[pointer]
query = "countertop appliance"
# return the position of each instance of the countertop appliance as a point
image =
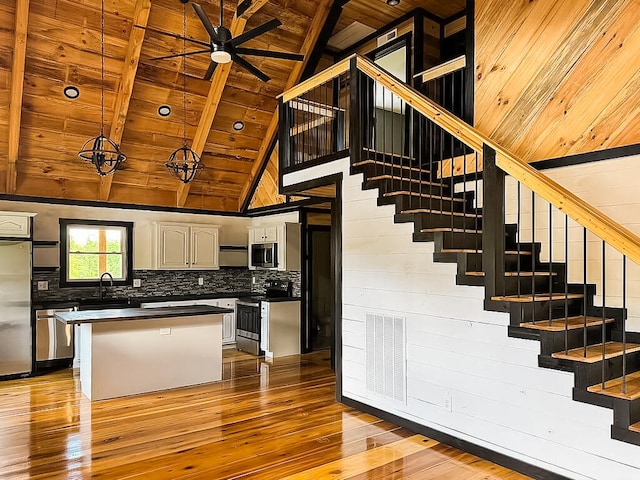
(248, 321)
(54, 340)
(15, 305)
(264, 255)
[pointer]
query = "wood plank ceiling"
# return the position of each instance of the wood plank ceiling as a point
(63, 48)
(558, 78)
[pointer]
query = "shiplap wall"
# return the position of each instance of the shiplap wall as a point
(611, 187)
(465, 376)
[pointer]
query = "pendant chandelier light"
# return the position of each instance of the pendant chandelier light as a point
(184, 163)
(102, 152)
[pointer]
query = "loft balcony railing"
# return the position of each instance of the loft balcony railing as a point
(537, 245)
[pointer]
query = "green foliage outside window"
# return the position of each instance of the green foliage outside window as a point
(85, 254)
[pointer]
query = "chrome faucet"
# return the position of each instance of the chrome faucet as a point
(101, 286)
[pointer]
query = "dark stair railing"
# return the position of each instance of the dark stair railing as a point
(497, 214)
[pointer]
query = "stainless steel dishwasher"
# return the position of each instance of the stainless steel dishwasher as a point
(54, 340)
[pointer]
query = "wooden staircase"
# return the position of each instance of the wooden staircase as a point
(574, 334)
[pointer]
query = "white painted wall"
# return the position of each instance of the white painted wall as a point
(465, 376)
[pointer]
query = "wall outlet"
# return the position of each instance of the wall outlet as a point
(200, 281)
(43, 285)
(165, 331)
(137, 283)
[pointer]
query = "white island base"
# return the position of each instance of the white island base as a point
(119, 358)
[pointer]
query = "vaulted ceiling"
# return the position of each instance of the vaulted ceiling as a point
(57, 44)
(558, 78)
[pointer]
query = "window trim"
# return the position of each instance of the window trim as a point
(128, 254)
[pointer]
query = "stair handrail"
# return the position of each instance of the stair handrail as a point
(595, 221)
(443, 69)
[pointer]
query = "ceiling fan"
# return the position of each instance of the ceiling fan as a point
(224, 48)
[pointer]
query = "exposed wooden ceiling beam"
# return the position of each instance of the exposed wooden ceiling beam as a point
(17, 85)
(121, 108)
(324, 6)
(218, 83)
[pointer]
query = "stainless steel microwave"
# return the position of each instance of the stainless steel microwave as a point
(264, 255)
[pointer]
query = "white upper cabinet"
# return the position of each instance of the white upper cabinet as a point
(15, 224)
(187, 246)
(262, 234)
(204, 247)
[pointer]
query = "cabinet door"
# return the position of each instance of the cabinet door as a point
(228, 328)
(173, 247)
(270, 234)
(204, 248)
(14, 225)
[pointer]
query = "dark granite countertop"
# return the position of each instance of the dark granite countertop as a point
(282, 299)
(124, 314)
(134, 301)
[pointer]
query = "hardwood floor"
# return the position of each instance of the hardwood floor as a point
(264, 421)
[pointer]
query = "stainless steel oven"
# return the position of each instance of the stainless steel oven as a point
(264, 255)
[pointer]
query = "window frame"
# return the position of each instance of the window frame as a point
(65, 223)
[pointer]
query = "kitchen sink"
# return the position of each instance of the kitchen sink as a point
(107, 303)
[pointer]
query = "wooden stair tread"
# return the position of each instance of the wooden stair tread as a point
(471, 250)
(558, 324)
(635, 427)
(515, 274)
(538, 298)
(389, 165)
(613, 388)
(404, 179)
(425, 195)
(440, 212)
(594, 352)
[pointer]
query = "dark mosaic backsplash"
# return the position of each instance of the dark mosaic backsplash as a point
(261, 276)
(161, 283)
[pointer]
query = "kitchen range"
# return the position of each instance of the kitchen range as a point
(253, 317)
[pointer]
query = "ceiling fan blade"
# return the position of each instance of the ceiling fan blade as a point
(205, 21)
(267, 53)
(250, 68)
(264, 28)
(210, 70)
(180, 54)
(179, 37)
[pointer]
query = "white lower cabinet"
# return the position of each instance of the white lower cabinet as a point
(228, 319)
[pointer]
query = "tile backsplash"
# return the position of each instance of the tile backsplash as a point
(166, 283)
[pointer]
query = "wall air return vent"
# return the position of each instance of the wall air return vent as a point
(386, 356)
(387, 37)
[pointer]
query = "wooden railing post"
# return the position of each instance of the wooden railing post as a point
(493, 225)
(355, 111)
(284, 139)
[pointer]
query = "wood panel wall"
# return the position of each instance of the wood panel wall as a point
(558, 78)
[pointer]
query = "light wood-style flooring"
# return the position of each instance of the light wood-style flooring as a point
(264, 421)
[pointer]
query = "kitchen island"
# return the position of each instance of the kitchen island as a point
(136, 350)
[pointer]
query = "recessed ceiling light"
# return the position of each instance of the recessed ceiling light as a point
(164, 110)
(393, 3)
(239, 125)
(71, 92)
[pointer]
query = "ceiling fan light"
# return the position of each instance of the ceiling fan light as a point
(220, 56)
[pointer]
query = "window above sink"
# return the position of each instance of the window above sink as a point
(89, 248)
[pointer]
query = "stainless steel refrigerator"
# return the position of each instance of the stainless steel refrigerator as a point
(15, 307)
